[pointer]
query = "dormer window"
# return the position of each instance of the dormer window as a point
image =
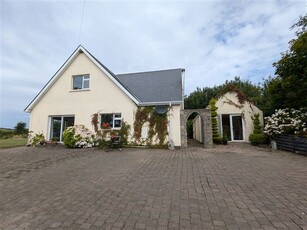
(81, 81)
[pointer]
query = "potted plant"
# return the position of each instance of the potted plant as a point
(225, 139)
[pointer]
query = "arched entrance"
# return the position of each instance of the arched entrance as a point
(207, 128)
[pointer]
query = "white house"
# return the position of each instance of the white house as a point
(84, 86)
(235, 116)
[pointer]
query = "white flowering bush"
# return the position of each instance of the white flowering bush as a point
(79, 136)
(36, 139)
(286, 121)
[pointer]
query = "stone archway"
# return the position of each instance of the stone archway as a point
(207, 127)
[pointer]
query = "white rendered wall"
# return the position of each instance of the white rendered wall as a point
(229, 104)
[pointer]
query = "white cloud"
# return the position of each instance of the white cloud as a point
(212, 40)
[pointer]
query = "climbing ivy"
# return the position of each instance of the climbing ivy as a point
(123, 132)
(157, 124)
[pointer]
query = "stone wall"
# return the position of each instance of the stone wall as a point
(207, 127)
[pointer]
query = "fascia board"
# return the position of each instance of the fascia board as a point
(160, 103)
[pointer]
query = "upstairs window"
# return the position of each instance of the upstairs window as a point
(111, 121)
(81, 81)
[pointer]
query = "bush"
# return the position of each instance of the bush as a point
(217, 140)
(104, 144)
(257, 127)
(257, 139)
(286, 121)
(6, 133)
(79, 136)
(215, 131)
(36, 139)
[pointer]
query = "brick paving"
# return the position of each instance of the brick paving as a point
(237, 186)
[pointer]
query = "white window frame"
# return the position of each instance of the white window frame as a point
(231, 126)
(113, 120)
(61, 129)
(85, 77)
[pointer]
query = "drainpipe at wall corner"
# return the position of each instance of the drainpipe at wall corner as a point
(170, 140)
(182, 79)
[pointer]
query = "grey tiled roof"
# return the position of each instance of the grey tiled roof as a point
(155, 86)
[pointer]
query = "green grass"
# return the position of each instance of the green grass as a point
(13, 142)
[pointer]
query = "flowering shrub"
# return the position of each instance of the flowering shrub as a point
(35, 139)
(79, 136)
(286, 121)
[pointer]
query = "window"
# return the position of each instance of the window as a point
(81, 81)
(111, 120)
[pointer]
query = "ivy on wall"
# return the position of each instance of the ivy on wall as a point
(123, 132)
(230, 102)
(157, 125)
(242, 97)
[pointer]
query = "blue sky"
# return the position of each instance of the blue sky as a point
(213, 40)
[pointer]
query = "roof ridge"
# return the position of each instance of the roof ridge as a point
(151, 71)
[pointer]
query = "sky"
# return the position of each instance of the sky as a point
(212, 40)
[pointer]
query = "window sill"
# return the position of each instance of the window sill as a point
(78, 90)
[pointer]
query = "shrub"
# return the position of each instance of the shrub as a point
(215, 132)
(36, 139)
(79, 136)
(257, 139)
(6, 133)
(217, 140)
(257, 127)
(286, 121)
(103, 144)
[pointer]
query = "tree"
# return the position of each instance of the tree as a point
(272, 96)
(291, 71)
(200, 97)
(252, 91)
(20, 128)
(215, 132)
(257, 137)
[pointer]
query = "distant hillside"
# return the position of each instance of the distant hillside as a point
(6, 133)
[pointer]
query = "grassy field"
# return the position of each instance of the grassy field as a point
(13, 142)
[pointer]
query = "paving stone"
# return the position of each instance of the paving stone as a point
(237, 186)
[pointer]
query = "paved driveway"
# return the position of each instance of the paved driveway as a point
(229, 187)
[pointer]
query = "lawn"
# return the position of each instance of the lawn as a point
(13, 142)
